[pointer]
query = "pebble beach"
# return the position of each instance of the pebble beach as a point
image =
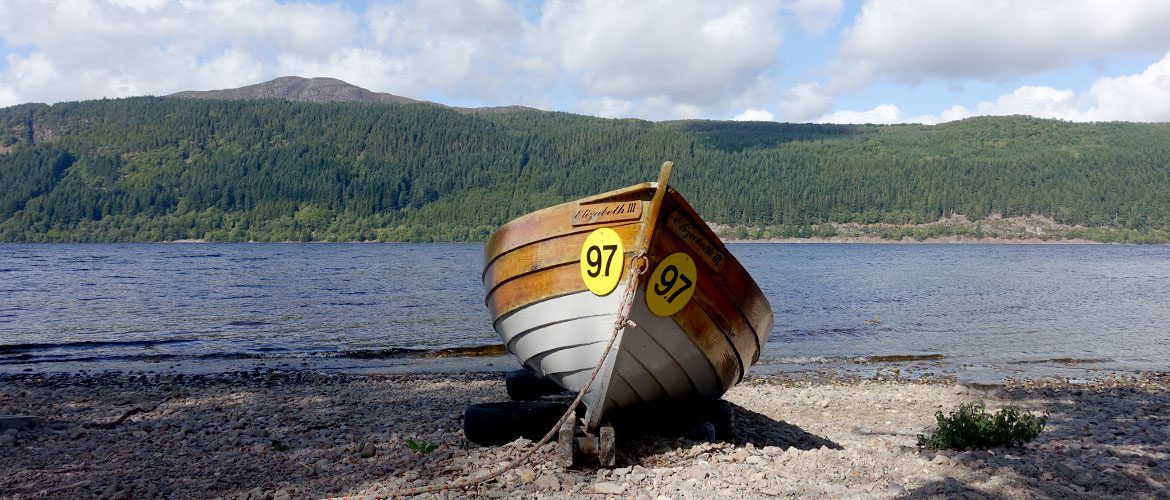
(271, 434)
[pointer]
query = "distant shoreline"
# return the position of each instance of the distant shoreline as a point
(928, 241)
(833, 240)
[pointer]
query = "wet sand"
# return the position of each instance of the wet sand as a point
(297, 434)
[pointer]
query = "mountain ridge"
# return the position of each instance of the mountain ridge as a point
(323, 90)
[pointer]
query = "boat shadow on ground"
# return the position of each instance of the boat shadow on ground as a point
(655, 431)
(1102, 439)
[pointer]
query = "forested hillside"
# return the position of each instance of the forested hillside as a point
(150, 169)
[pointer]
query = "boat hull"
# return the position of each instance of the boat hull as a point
(558, 328)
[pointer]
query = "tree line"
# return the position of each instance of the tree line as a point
(156, 169)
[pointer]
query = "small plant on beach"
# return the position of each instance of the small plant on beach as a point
(420, 446)
(280, 446)
(972, 427)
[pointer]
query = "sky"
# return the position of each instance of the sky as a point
(830, 61)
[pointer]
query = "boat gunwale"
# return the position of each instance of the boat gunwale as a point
(493, 248)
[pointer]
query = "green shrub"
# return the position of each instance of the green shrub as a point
(973, 428)
(420, 446)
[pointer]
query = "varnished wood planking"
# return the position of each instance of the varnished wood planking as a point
(734, 279)
(534, 287)
(554, 221)
(549, 253)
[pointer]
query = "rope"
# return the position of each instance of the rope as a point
(638, 267)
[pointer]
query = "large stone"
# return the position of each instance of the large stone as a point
(608, 488)
(547, 482)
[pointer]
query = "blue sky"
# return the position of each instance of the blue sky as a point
(873, 61)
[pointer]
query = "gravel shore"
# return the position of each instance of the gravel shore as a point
(287, 435)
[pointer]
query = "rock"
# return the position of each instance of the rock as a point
(895, 489)
(368, 450)
(11, 432)
(1084, 479)
(547, 482)
(772, 451)
(111, 490)
(76, 432)
(608, 488)
(7, 440)
(825, 403)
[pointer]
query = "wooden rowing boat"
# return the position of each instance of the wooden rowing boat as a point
(556, 280)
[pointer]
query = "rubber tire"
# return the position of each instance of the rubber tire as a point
(490, 424)
(523, 385)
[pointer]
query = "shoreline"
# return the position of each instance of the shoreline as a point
(929, 241)
(946, 240)
(491, 360)
(290, 435)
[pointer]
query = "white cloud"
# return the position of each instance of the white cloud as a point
(8, 96)
(131, 47)
(1141, 97)
(804, 102)
(649, 59)
(472, 48)
(658, 106)
(883, 113)
(694, 53)
(365, 68)
(35, 70)
(607, 107)
(1039, 101)
(916, 40)
(755, 115)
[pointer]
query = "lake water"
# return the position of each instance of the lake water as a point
(986, 311)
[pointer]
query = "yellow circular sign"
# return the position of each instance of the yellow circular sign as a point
(602, 261)
(671, 284)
